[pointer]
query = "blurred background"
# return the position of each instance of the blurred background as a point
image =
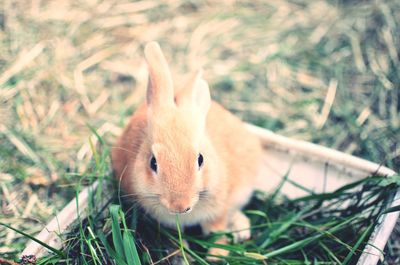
(322, 71)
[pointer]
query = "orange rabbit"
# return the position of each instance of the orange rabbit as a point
(182, 153)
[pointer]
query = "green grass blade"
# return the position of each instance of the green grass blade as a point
(392, 209)
(298, 185)
(357, 244)
(308, 240)
(56, 251)
(254, 255)
(208, 244)
(192, 253)
(274, 235)
(116, 231)
(329, 252)
(109, 250)
(334, 194)
(178, 226)
(131, 253)
(93, 252)
(279, 187)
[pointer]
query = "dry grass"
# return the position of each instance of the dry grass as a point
(324, 71)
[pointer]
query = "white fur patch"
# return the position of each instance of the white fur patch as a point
(202, 212)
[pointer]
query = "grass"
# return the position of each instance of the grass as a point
(323, 71)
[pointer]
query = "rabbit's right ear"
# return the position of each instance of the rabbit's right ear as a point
(195, 94)
(160, 91)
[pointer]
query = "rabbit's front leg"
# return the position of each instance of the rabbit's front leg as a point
(218, 225)
(239, 224)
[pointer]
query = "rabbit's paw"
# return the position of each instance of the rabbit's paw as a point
(240, 227)
(217, 254)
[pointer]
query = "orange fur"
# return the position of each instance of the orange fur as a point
(175, 131)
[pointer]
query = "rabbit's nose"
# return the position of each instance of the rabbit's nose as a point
(175, 206)
(180, 211)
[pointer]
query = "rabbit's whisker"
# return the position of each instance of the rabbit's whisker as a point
(204, 194)
(123, 149)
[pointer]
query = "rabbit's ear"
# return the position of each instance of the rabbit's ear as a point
(195, 94)
(160, 91)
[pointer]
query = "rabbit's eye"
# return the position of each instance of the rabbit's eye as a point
(200, 160)
(153, 164)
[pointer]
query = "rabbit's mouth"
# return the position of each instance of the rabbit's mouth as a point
(185, 211)
(178, 204)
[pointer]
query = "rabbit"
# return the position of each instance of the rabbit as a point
(184, 154)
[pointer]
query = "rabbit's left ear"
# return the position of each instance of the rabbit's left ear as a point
(160, 92)
(195, 94)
